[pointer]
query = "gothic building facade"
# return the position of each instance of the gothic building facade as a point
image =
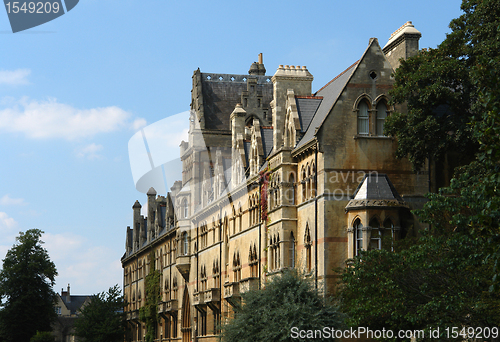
(274, 176)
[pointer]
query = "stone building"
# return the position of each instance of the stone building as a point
(274, 176)
(68, 308)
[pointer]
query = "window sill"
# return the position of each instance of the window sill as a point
(381, 137)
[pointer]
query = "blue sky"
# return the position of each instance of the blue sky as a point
(75, 90)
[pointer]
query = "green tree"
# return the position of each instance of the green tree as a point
(26, 282)
(287, 301)
(450, 275)
(443, 87)
(461, 75)
(101, 320)
(44, 336)
(441, 280)
(436, 88)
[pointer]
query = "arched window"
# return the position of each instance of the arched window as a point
(253, 261)
(237, 267)
(185, 208)
(308, 185)
(278, 259)
(291, 180)
(381, 116)
(216, 274)
(240, 218)
(203, 279)
(376, 235)
(303, 182)
(292, 250)
(271, 253)
(358, 232)
(389, 225)
(167, 289)
(313, 180)
(185, 244)
(363, 119)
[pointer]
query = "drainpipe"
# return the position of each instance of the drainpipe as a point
(316, 219)
(170, 288)
(197, 280)
(221, 243)
(260, 227)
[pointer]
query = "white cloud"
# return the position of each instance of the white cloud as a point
(7, 233)
(6, 222)
(90, 152)
(14, 77)
(144, 209)
(51, 119)
(138, 124)
(7, 200)
(84, 266)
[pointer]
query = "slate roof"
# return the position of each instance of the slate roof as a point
(247, 146)
(75, 304)
(330, 93)
(221, 93)
(267, 140)
(185, 188)
(307, 107)
(376, 187)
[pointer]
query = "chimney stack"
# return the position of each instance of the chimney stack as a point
(68, 296)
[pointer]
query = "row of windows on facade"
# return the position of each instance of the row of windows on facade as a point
(168, 329)
(273, 249)
(274, 194)
(168, 325)
(134, 302)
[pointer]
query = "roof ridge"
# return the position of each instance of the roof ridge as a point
(343, 72)
(309, 97)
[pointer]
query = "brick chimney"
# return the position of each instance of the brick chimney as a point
(68, 296)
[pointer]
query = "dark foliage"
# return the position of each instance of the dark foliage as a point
(26, 282)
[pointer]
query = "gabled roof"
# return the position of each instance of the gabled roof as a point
(330, 93)
(75, 303)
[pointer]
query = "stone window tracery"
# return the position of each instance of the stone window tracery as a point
(363, 118)
(236, 267)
